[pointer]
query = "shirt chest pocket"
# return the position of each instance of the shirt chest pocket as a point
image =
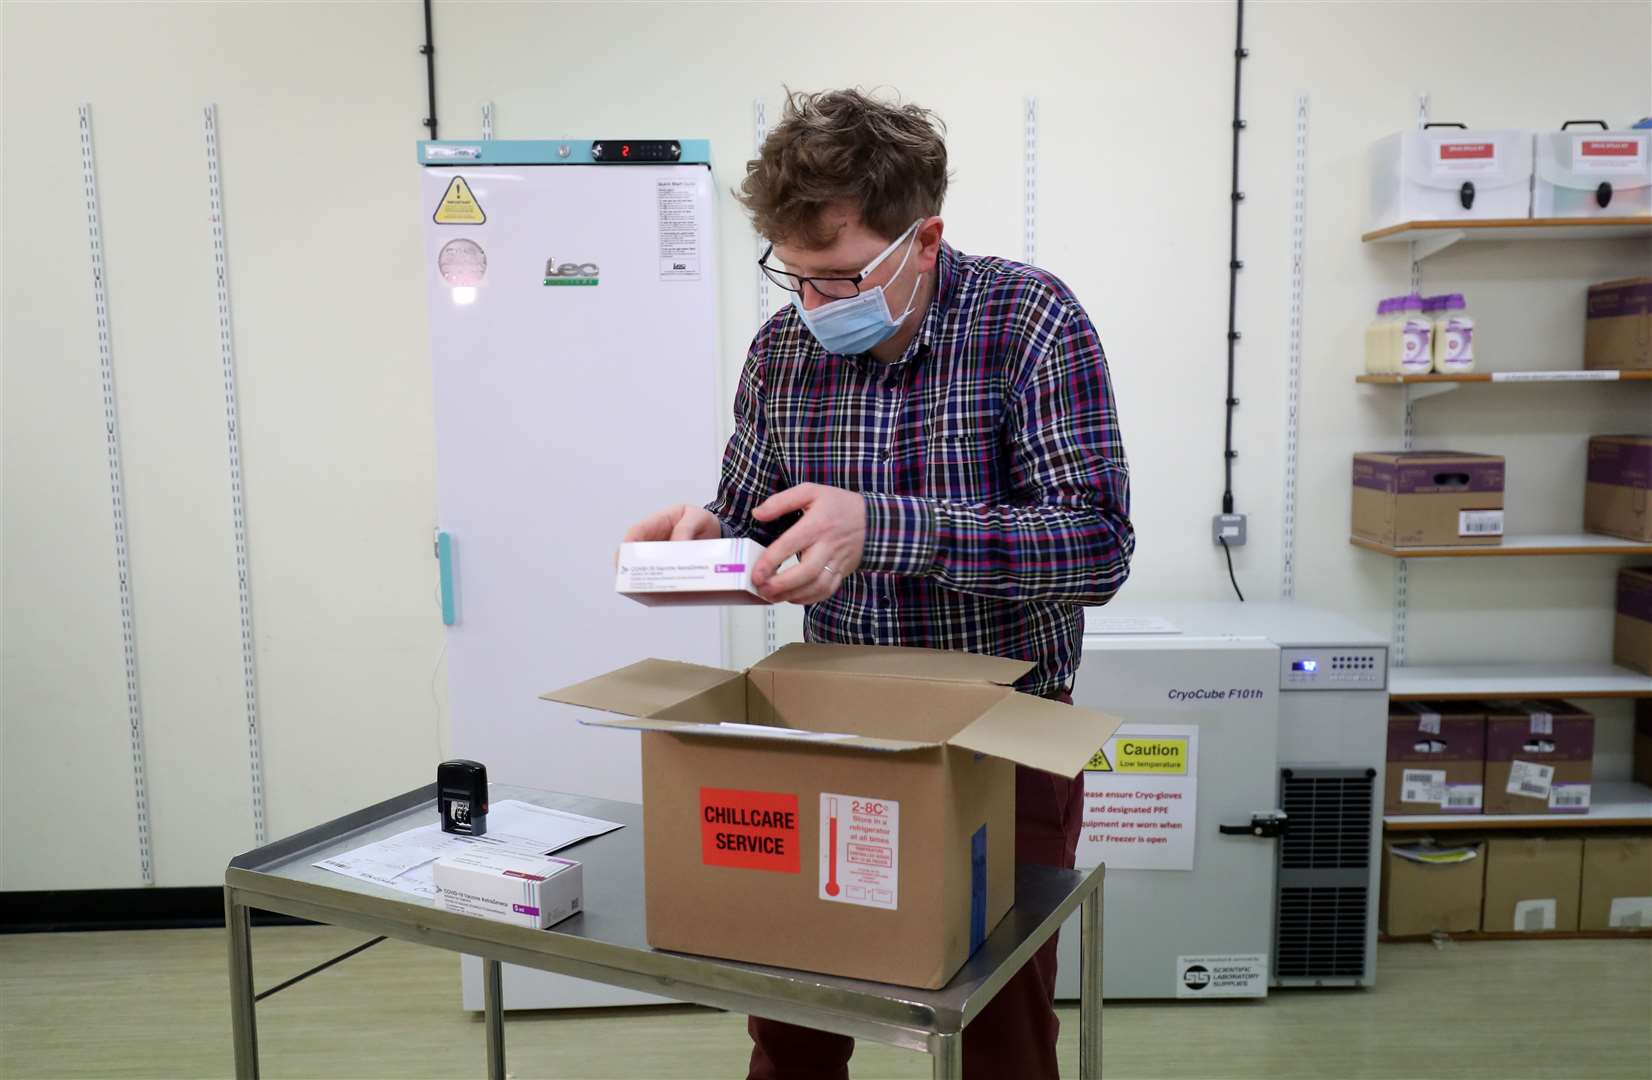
(964, 467)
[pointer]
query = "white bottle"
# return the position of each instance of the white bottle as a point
(1453, 336)
(1378, 350)
(1416, 353)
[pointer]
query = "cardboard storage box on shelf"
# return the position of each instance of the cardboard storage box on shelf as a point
(842, 809)
(1449, 174)
(1532, 883)
(1617, 882)
(689, 573)
(1539, 757)
(1428, 889)
(1428, 498)
(1614, 500)
(1584, 174)
(527, 890)
(1632, 624)
(1642, 770)
(1617, 332)
(1436, 758)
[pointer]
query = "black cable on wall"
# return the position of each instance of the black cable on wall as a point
(428, 50)
(1235, 264)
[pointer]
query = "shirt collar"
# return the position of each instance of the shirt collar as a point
(946, 274)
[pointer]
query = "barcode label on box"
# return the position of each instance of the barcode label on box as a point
(1463, 797)
(1429, 723)
(1542, 723)
(1569, 797)
(1479, 523)
(1530, 779)
(1423, 786)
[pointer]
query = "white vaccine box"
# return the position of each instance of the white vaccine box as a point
(1583, 174)
(1449, 174)
(526, 890)
(689, 572)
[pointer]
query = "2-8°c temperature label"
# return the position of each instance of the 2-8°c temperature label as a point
(860, 850)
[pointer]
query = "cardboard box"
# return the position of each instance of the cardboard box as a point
(1427, 889)
(1617, 332)
(1620, 472)
(1642, 770)
(1436, 758)
(1532, 883)
(1617, 883)
(842, 809)
(689, 573)
(526, 890)
(1428, 498)
(1539, 757)
(1632, 629)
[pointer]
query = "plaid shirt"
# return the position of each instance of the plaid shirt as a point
(997, 492)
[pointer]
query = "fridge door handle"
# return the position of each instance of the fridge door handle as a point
(1267, 824)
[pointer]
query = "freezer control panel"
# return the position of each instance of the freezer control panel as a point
(1331, 668)
(636, 151)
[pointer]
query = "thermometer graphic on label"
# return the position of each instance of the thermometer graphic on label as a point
(831, 851)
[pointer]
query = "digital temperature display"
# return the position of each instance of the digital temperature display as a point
(636, 151)
(1309, 666)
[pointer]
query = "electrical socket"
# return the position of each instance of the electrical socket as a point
(1229, 527)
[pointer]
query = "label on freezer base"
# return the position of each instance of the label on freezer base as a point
(860, 851)
(1222, 976)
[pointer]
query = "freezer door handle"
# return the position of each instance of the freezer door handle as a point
(1267, 824)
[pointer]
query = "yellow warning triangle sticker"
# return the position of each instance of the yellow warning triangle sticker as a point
(1098, 762)
(459, 206)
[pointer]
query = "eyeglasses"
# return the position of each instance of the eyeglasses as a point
(832, 288)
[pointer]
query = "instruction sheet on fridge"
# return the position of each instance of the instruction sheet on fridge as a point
(1141, 794)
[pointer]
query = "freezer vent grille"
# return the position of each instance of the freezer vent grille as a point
(1329, 822)
(1321, 933)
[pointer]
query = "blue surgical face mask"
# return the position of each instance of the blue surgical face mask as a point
(861, 322)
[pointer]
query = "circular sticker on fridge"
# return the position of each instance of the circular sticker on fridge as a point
(462, 262)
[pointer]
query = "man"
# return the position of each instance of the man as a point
(933, 436)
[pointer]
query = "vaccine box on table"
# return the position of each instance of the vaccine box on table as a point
(1582, 174)
(1449, 174)
(689, 572)
(841, 809)
(527, 890)
(1436, 758)
(1539, 757)
(1428, 498)
(1617, 332)
(1617, 486)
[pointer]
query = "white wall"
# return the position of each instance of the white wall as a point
(319, 108)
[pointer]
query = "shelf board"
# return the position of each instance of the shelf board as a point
(1598, 228)
(1529, 544)
(1515, 935)
(1508, 377)
(1460, 682)
(1616, 804)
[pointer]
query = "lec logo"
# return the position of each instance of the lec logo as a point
(571, 270)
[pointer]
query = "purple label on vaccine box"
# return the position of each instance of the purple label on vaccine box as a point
(1635, 596)
(729, 568)
(524, 909)
(1621, 462)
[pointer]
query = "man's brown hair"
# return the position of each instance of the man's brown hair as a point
(845, 146)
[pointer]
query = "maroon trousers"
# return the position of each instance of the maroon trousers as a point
(1014, 1036)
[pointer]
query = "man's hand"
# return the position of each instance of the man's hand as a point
(828, 541)
(682, 522)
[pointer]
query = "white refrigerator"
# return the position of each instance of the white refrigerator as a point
(573, 328)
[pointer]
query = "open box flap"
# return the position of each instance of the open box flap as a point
(642, 689)
(1038, 733)
(773, 736)
(901, 662)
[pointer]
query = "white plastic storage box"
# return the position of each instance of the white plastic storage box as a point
(1450, 173)
(1584, 174)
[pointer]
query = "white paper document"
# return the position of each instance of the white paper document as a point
(405, 862)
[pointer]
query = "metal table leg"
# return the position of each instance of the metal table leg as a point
(947, 1056)
(238, 922)
(1089, 987)
(493, 1006)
